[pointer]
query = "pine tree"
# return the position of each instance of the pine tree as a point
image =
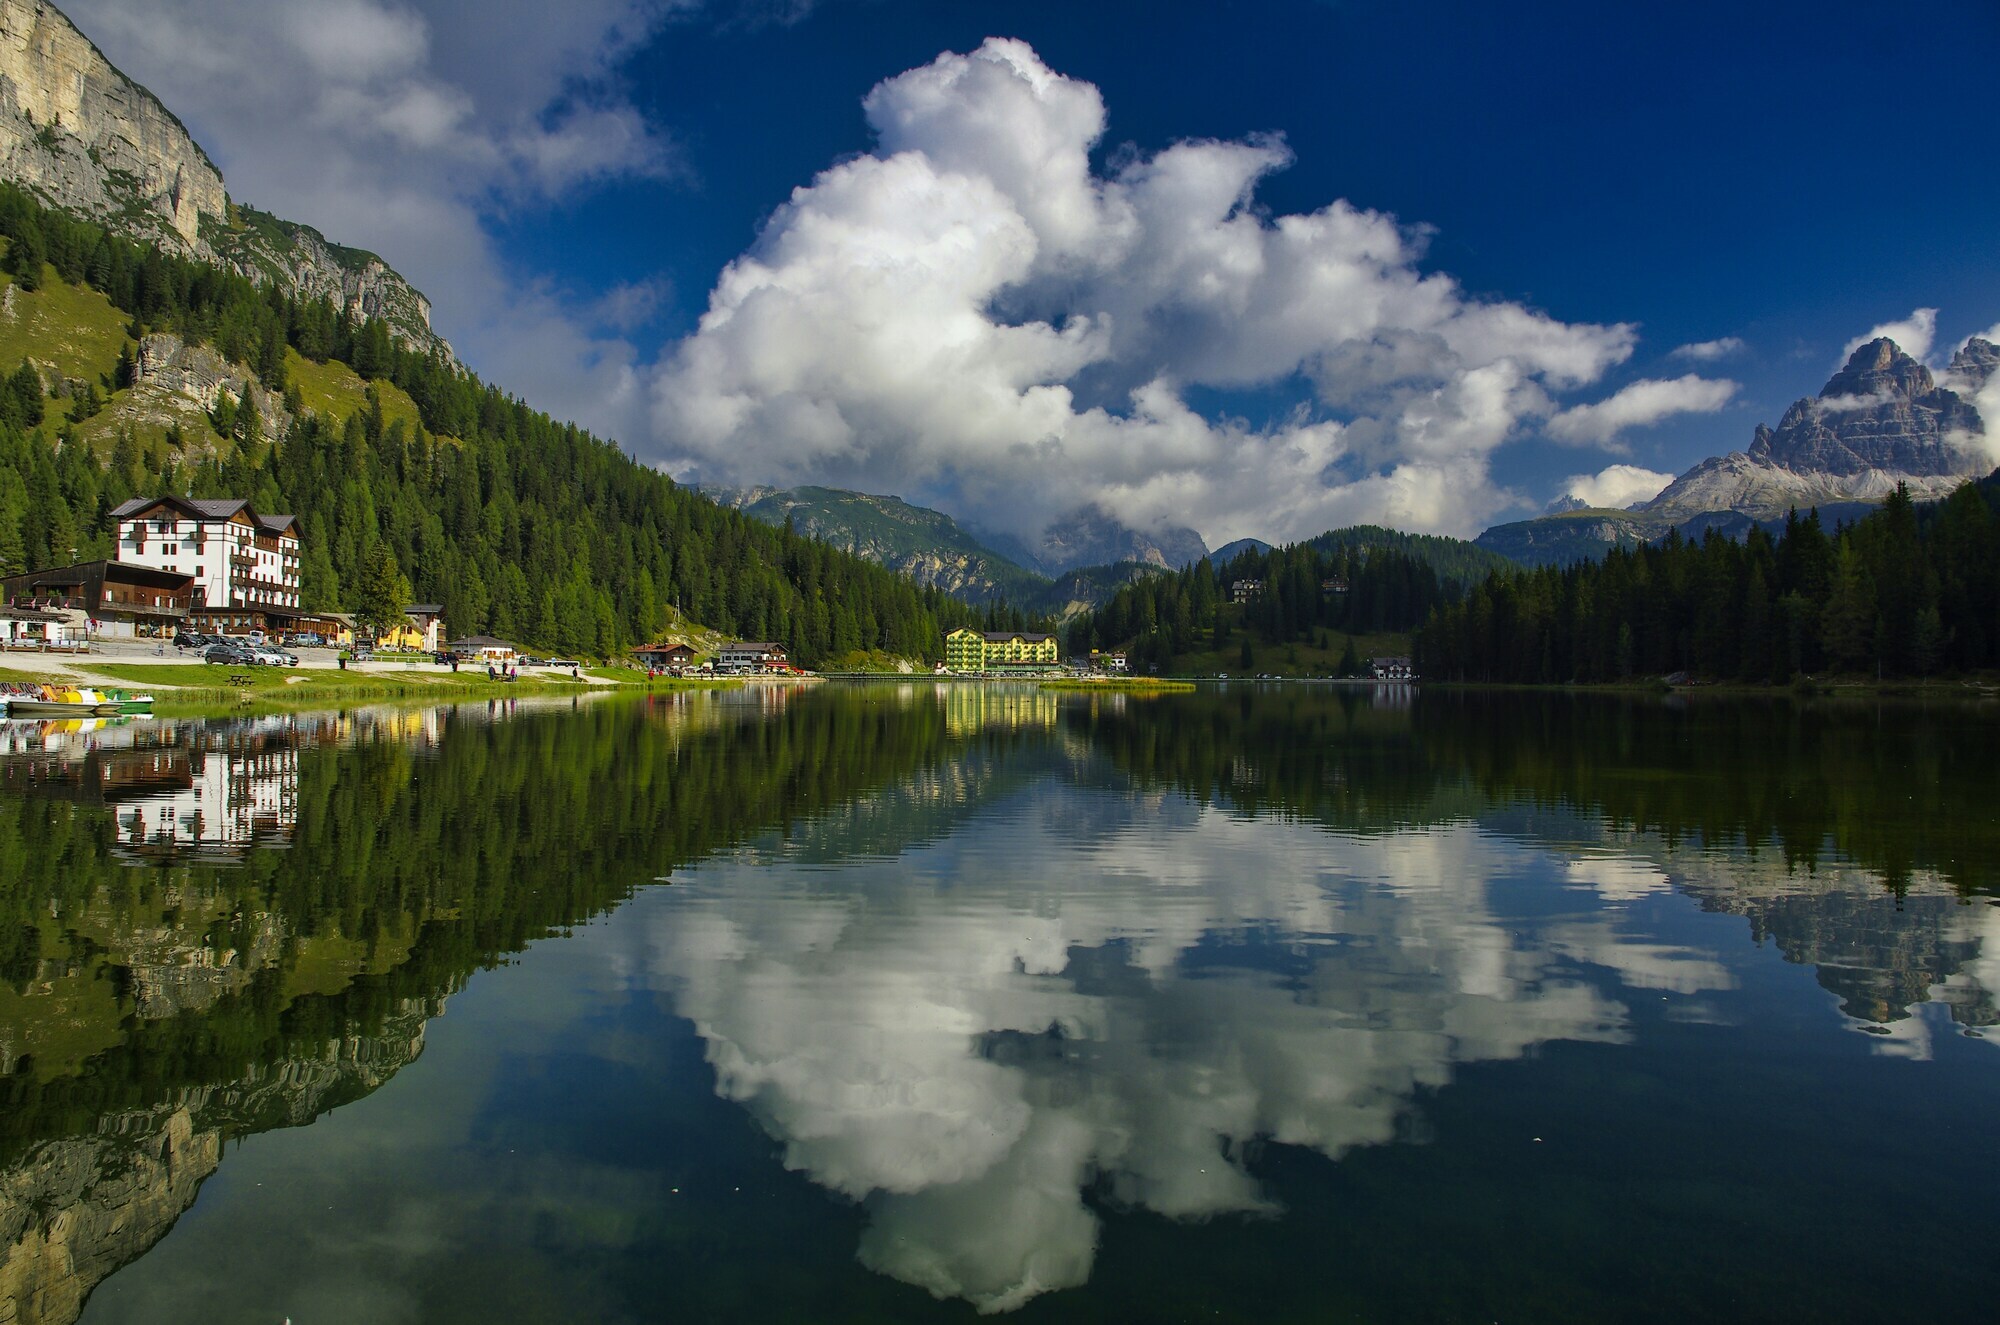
(382, 596)
(1847, 623)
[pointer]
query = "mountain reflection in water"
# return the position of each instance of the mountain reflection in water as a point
(1011, 972)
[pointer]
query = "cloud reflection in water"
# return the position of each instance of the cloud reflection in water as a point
(1122, 1011)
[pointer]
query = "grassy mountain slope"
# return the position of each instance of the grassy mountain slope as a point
(72, 335)
(67, 331)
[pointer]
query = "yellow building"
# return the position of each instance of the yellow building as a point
(422, 631)
(997, 651)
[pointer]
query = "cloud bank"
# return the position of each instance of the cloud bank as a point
(1616, 487)
(973, 316)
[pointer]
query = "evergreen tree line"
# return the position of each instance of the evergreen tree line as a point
(1307, 588)
(516, 524)
(1907, 591)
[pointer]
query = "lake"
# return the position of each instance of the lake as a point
(908, 1002)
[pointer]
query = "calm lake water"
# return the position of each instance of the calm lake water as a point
(904, 1003)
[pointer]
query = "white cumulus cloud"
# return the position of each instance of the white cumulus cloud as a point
(1707, 351)
(1616, 487)
(1638, 405)
(1913, 334)
(972, 317)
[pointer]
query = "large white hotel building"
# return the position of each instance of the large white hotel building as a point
(245, 564)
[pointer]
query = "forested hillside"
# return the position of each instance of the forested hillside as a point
(519, 525)
(1454, 559)
(1908, 591)
(1349, 582)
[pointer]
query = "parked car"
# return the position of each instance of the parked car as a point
(229, 655)
(305, 639)
(271, 657)
(187, 639)
(526, 661)
(255, 637)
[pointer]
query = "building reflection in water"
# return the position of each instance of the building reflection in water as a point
(177, 791)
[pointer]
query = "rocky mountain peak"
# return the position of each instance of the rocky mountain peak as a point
(1877, 370)
(1881, 420)
(1975, 363)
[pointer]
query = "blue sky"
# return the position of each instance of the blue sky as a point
(570, 188)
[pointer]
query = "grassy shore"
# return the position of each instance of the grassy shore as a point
(190, 690)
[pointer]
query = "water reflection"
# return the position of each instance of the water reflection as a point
(999, 967)
(970, 1051)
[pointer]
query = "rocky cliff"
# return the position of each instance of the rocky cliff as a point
(928, 546)
(1881, 420)
(300, 260)
(86, 139)
(169, 375)
(1975, 364)
(89, 140)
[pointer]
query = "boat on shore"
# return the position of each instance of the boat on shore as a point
(75, 702)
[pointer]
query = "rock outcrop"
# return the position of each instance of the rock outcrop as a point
(167, 366)
(1881, 420)
(927, 545)
(87, 140)
(1092, 536)
(301, 261)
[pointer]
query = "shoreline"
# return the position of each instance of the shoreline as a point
(201, 689)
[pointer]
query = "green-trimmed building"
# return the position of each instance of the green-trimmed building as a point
(1000, 651)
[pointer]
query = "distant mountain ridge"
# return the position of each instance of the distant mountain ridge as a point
(928, 546)
(1229, 552)
(84, 138)
(1092, 536)
(1883, 419)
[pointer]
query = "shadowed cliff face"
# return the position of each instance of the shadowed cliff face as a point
(1882, 411)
